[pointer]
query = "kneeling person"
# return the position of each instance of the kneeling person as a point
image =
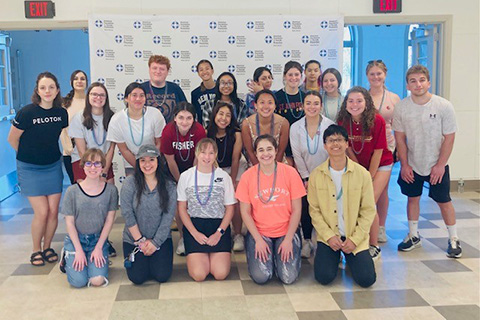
(342, 207)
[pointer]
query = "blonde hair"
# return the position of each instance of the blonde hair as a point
(202, 145)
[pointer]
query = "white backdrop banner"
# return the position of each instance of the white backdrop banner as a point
(120, 47)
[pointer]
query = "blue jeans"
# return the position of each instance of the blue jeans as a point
(80, 279)
(261, 272)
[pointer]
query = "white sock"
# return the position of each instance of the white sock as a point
(452, 231)
(413, 227)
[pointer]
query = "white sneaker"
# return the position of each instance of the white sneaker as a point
(382, 235)
(307, 248)
(375, 252)
(180, 247)
(238, 243)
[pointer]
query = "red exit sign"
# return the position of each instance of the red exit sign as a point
(39, 9)
(387, 6)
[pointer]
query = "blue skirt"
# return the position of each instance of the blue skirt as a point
(40, 180)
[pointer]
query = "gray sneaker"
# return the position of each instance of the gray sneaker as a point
(454, 249)
(410, 243)
(382, 235)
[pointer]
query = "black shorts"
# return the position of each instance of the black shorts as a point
(207, 227)
(439, 193)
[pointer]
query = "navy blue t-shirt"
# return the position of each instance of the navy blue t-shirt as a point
(41, 130)
(165, 102)
(200, 99)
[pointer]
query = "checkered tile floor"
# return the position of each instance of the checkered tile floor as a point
(422, 284)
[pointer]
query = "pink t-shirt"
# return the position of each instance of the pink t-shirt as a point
(271, 219)
(184, 145)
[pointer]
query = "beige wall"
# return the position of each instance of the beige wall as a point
(461, 60)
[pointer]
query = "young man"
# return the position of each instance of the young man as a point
(425, 127)
(162, 94)
(342, 207)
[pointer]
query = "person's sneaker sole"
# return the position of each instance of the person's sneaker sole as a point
(454, 256)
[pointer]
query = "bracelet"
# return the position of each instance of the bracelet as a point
(142, 239)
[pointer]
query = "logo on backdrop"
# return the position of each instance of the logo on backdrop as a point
(137, 24)
(250, 25)
(305, 39)
(231, 39)
(98, 23)
(194, 39)
(119, 67)
(212, 54)
(194, 68)
(118, 38)
(268, 39)
(120, 96)
(324, 24)
(100, 53)
(176, 81)
(231, 68)
(213, 25)
(249, 54)
(323, 53)
(157, 39)
(268, 66)
(287, 24)
(137, 54)
(287, 53)
(175, 54)
(101, 80)
(175, 25)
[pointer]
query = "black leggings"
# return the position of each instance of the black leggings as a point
(306, 220)
(158, 266)
(326, 266)
(67, 162)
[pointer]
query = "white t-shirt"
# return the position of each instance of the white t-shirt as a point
(222, 194)
(337, 180)
(424, 127)
(304, 161)
(76, 129)
(119, 129)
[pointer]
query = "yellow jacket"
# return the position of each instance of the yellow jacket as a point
(358, 204)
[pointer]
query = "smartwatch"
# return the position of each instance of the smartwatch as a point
(104, 175)
(221, 231)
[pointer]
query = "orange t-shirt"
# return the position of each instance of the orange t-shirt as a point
(271, 219)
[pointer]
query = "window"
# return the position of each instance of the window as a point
(348, 58)
(5, 95)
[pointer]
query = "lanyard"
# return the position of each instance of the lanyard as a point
(131, 131)
(156, 104)
(210, 188)
(340, 194)
(273, 185)
(103, 139)
(316, 138)
(178, 143)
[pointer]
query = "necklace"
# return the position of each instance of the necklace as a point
(273, 185)
(340, 194)
(381, 103)
(316, 138)
(324, 98)
(210, 188)
(351, 134)
(130, 126)
(224, 149)
(188, 145)
(257, 125)
(155, 103)
(104, 136)
(296, 116)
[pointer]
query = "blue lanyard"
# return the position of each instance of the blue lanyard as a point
(210, 188)
(143, 128)
(316, 138)
(340, 194)
(104, 137)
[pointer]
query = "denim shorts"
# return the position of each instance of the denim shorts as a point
(81, 278)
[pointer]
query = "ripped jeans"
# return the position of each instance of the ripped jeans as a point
(261, 272)
(80, 279)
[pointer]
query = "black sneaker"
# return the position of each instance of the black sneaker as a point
(63, 262)
(410, 243)
(454, 249)
(375, 252)
(111, 250)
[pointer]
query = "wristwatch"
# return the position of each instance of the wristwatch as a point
(104, 175)
(221, 231)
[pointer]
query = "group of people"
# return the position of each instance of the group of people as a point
(282, 163)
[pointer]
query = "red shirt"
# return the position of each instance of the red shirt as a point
(184, 147)
(373, 140)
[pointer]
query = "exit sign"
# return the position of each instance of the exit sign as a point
(387, 6)
(39, 9)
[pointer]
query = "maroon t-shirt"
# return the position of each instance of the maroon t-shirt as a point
(182, 147)
(373, 140)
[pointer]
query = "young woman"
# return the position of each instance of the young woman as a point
(89, 130)
(331, 81)
(226, 90)
(205, 203)
(265, 121)
(205, 92)
(270, 196)
(89, 208)
(148, 201)
(262, 79)
(34, 136)
(223, 129)
(384, 101)
(367, 146)
(135, 126)
(179, 140)
(74, 102)
(308, 153)
(313, 71)
(290, 98)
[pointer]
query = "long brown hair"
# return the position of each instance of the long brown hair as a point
(67, 100)
(368, 115)
(88, 121)
(57, 102)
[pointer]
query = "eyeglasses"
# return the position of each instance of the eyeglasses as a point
(332, 141)
(96, 164)
(375, 61)
(226, 84)
(98, 95)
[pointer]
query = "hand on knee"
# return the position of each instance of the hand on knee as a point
(97, 281)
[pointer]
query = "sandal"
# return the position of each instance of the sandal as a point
(50, 255)
(37, 257)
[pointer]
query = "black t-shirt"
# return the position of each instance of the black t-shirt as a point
(200, 99)
(290, 106)
(225, 151)
(165, 102)
(41, 130)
